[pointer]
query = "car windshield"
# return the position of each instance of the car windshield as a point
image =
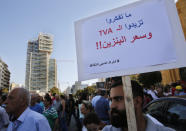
(170, 112)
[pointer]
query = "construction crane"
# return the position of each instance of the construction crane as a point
(65, 60)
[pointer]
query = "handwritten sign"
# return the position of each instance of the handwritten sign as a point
(136, 38)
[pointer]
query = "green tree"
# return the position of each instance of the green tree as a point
(134, 77)
(88, 90)
(151, 78)
(54, 90)
(78, 93)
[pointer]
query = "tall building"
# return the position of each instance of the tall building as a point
(52, 79)
(78, 86)
(174, 75)
(4, 75)
(37, 64)
(181, 7)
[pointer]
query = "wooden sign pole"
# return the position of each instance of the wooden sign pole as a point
(129, 105)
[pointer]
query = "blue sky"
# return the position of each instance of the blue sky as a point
(22, 20)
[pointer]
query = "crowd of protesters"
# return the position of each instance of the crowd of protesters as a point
(154, 92)
(22, 111)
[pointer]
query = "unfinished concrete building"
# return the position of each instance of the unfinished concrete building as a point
(37, 64)
(4, 75)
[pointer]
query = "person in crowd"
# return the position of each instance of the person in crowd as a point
(71, 107)
(50, 113)
(152, 92)
(40, 101)
(22, 117)
(90, 97)
(179, 91)
(2, 100)
(62, 114)
(67, 110)
(82, 97)
(86, 107)
(53, 96)
(173, 88)
(166, 91)
(92, 122)
(108, 83)
(147, 98)
(4, 119)
(101, 106)
(34, 105)
(159, 90)
(118, 110)
(56, 103)
(145, 89)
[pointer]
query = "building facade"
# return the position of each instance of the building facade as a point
(181, 7)
(173, 75)
(4, 75)
(14, 85)
(68, 91)
(78, 86)
(37, 64)
(52, 79)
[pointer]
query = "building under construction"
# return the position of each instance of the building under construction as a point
(4, 75)
(39, 74)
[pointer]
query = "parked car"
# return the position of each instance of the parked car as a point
(170, 111)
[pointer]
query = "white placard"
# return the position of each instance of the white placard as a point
(136, 38)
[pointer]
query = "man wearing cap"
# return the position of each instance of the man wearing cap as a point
(179, 91)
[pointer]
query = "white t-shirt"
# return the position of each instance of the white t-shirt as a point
(152, 93)
(80, 114)
(152, 125)
(84, 128)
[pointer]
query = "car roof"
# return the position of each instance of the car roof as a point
(172, 98)
(184, 96)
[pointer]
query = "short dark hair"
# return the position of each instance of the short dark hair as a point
(62, 96)
(174, 84)
(102, 92)
(137, 89)
(91, 118)
(88, 105)
(54, 94)
(3, 97)
(70, 96)
(116, 79)
(48, 98)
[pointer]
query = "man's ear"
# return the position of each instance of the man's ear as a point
(138, 101)
(22, 101)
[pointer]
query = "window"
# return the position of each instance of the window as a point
(176, 115)
(157, 110)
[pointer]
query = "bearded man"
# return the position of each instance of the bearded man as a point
(118, 117)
